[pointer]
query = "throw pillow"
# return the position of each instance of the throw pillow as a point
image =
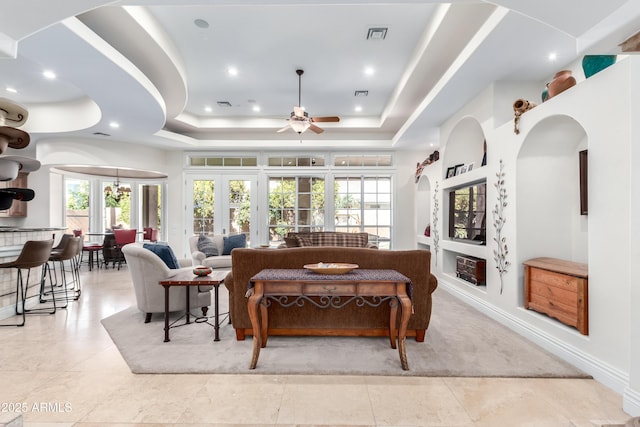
(304, 240)
(165, 253)
(207, 246)
(291, 241)
(232, 242)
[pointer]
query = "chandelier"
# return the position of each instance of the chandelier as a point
(117, 191)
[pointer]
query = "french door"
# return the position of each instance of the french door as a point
(222, 204)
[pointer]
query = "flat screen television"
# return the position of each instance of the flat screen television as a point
(467, 214)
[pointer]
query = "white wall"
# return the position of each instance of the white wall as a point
(542, 221)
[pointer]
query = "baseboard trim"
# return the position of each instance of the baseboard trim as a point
(631, 402)
(600, 371)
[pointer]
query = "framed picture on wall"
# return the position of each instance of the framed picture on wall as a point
(459, 169)
(470, 167)
(451, 171)
(584, 192)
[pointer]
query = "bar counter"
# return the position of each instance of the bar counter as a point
(11, 241)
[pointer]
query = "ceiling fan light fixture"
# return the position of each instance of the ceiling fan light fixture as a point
(300, 125)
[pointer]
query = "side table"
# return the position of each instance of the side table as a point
(188, 279)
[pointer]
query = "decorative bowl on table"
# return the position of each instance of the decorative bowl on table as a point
(201, 271)
(331, 267)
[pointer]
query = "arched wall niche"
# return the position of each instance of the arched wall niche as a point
(465, 144)
(549, 223)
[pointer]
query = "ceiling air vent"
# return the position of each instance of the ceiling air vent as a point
(224, 104)
(361, 93)
(377, 33)
(101, 134)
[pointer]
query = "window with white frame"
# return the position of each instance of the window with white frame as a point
(296, 203)
(363, 204)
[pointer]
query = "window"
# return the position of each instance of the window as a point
(117, 205)
(295, 204)
(77, 205)
(228, 161)
(299, 161)
(363, 204)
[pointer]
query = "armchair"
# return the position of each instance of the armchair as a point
(147, 269)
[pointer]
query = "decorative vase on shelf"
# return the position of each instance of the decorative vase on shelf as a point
(562, 81)
(592, 64)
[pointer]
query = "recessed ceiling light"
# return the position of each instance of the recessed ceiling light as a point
(552, 56)
(49, 74)
(12, 90)
(358, 108)
(208, 109)
(256, 108)
(201, 23)
(232, 71)
(369, 71)
(114, 125)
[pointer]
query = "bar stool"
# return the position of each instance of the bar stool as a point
(35, 253)
(70, 253)
(92, 248)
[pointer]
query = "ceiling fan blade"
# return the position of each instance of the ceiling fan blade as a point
(298, 111)
(326, 119)
(283, 129)
(315, 128)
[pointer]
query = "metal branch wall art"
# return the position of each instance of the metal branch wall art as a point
(500, 254)
(434, 221)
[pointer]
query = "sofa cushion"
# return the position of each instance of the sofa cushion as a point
(232, 242)
(165, 253)
(207, 246)
(303, 240)
(328, 238)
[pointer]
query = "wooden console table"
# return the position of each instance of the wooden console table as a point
(559, 289)
(370, 287)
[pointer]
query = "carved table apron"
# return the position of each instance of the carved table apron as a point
(295, 287)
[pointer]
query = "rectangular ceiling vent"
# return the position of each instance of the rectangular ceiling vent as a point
(101, 134)
(376, 33)
(224, 104)
(361, 93)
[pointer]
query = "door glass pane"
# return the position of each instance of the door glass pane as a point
(77, 205)
(151, 208)
(203, 199)
(117, 202)
(240, 208)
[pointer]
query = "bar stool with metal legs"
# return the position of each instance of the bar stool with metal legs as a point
(35, 253)
(70, 285)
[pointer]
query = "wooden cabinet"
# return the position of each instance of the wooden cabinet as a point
(471, 269)
(559, 289)
(18, 208)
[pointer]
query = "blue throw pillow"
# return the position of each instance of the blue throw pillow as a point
(232, 242)
(165, 253)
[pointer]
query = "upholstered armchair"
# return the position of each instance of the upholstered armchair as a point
(147, 269)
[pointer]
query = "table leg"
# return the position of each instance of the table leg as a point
(264, 322)
(393, 320)
(216, 313)
(188, 308)
(252, 306)
(166, 313)
(405, 303)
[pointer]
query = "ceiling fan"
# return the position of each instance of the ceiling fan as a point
(300, 120)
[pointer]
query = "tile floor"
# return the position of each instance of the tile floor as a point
(63, 370)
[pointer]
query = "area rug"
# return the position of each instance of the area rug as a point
(460, 342)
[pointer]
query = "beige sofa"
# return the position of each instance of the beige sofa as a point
(214, 262)
(349, 320)
(147, 269)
